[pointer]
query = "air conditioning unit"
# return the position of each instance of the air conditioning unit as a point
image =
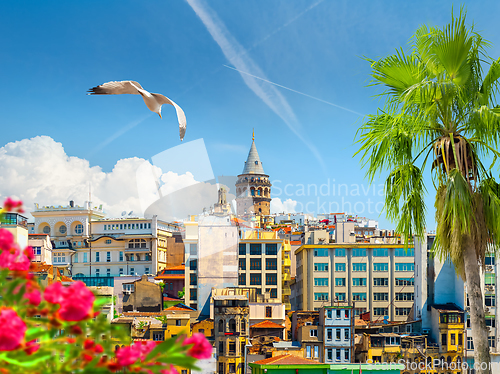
(489, 287)
(127, 292)
(489, 268)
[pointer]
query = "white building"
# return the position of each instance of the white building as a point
(42, 247)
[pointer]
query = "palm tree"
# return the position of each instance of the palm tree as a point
(440, 112)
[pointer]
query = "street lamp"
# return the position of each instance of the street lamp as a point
(245, 367)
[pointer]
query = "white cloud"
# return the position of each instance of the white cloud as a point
(38, 170)
(287, 206)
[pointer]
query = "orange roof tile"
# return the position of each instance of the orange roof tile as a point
(178, 267)
(286, 360)
(170, 276)
(267, 325)
(295, 242)
(179, 308)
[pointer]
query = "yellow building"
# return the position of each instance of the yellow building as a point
(286, 273)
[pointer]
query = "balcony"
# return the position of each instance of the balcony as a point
(286, 276)
(286, 291)
(288, 306)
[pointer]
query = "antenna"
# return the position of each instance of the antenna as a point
(124, 213)
(131, 212)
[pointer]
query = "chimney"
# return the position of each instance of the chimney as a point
(71, 203)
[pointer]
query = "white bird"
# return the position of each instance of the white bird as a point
(153, 101)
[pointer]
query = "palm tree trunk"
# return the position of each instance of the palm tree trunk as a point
(477, 320)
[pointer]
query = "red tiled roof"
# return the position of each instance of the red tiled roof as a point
(170, 276)
(286, 360)
(295, 242)
(179, 308)
(267, 325)
(143, 314)
(178, 267)
(166, 298)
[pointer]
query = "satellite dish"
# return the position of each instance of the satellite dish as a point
(124, 212)
(131, 212)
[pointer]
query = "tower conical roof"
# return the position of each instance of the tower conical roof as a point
(253, 165)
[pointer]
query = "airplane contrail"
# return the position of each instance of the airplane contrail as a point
(300, 93)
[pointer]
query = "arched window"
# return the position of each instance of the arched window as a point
(243, 326)
(448, 361)
(232, 325)
(79, 229)
(221, 326)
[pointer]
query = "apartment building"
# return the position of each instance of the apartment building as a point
(96, 249)
(42, 248)
(338, 333)
(373, 277)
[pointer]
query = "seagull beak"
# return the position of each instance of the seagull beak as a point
(159, 114)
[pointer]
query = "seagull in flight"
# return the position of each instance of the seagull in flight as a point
(153, 101)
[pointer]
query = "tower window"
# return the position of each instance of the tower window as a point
(256, 162)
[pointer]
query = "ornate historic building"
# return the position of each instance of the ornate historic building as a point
(253, 188)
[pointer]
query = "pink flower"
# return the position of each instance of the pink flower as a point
(12, 331)
(126, 356)
(6, 240)
(34, 297)
(20, 263)
(145, 347)
(10, 204)
(28, 251)
(54, 293)
(172, 370)
(201, 348)
(14, 259)
(31, 347)
(6, 259)
(77, 302)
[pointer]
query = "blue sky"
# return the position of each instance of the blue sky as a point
(53, 51)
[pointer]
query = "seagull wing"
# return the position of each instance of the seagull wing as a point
(116, 88)
(181, 117)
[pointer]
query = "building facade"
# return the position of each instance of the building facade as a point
(378, 278)
(338, 333)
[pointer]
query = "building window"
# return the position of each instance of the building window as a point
(321, 296)
(346, 355)
(108, 256)
(490, 321)
(338, 332)
(402, 311)
(271, 264)
(108, 272)
(444, 340)
(193, 279)
(193, 264)
(359, 281)
(97, 272)
(339, 252)
(489, 279)
(308, 351)
(405, 281)
(242, 264)
(405, 296)
(271, 279)
(121, 256)
(121, 271)
(460, 339)
(380, 296)
(255, 249)
(85, 257)
(232, 365)
(340, 282)
(405, 266)
(242, 279)
(321, 252)
(346, 334)
(313, 332)
(339, 267)
(255, 279)
(489, 300)
(359, 252)
(381, 282)
(79, 229)
(452, 339)
(97, 257)
(491, 341)
(46, 230)
(271, 249)
(193, 249)
(108, 241)
(321, 281)
(337, 358)
(316, 351)
(269, 312)
(381, 266)
(401, 252)
(339, 296)
(132, 271)
(359, 296)
(242, 249)
(193, 294)
(221, 348)
(158, 336)
(359, 267)
(255, 264)
(321, 267)
(221, 365)
(489, 259)
(380, 252)
(470, 343)
(63, 229)
(380, 311)
(137, 243)
(329, 354)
